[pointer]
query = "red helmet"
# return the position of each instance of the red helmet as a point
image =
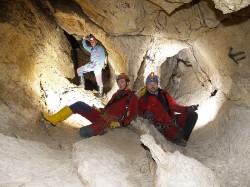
(122, 76)
(91, 37)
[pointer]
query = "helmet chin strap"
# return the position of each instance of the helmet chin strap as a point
(125, 86)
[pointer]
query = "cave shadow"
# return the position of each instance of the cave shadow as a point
(236, 18)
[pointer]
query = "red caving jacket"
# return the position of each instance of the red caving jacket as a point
(117, 107)
(149, 102)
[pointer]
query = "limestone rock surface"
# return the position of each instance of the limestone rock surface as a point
(200, 54)
(230, 6)
(186, 171)
(118, 157)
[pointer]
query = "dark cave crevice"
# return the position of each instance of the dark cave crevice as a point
(214, 93)
(79, 58)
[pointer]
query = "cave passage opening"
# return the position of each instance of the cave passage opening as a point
(80, 57)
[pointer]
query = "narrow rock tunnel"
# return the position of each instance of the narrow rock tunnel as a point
(200, 53)
(79, 58)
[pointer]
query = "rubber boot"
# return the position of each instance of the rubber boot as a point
(189, 125)
(86, 132)
(179, 140)
(61, 115)
(82, 81)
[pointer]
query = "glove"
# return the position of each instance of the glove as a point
(87, 37)
(101, 110)
(149, 115)
(193, 108)
(93, 106)
(114, 124)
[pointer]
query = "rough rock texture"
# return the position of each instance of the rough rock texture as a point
(111, 27)
(118, 157)
(28, 163)
(169, 6)
(225, 141)
(230, 6)
(34, 51)
(116, 162)
(200, 54)
(186, 171)
(214, 145)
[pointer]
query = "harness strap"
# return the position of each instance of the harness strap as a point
(114, 100)
(163, 126)
(126, 108)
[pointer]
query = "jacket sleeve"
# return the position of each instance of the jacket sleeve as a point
(132, 111)
(173, 105)
(84, 44)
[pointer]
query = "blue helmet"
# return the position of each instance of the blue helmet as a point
(152, 78)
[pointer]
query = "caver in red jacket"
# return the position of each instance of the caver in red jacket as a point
(164, 108)
(115, 110)
(117, 107)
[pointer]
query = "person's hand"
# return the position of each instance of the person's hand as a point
(150, 116)
(98, 109)
(114, 124)
(86, 37)
(101, 110)
(193, 108)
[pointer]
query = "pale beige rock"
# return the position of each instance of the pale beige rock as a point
(186, 171)
(33, 49)
(169, 6)
(230, 6)
(31, 163)
(114, 16)
(118, 157)
(140, 37)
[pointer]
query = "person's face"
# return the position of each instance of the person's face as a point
(93, 43)
(152, 86)
(121, 84)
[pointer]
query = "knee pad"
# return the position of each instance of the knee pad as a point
(193, 116)
(86, 132)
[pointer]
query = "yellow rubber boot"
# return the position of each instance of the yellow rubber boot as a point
(61, 115)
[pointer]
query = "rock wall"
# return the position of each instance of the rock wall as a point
(35, 56)
(200, 54)
(143, 25)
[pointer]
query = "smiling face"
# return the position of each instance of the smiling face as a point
(122, 84)
(152, 87)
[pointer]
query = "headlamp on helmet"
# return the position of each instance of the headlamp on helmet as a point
(91, 38)
(152, 78)
(122, 76)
